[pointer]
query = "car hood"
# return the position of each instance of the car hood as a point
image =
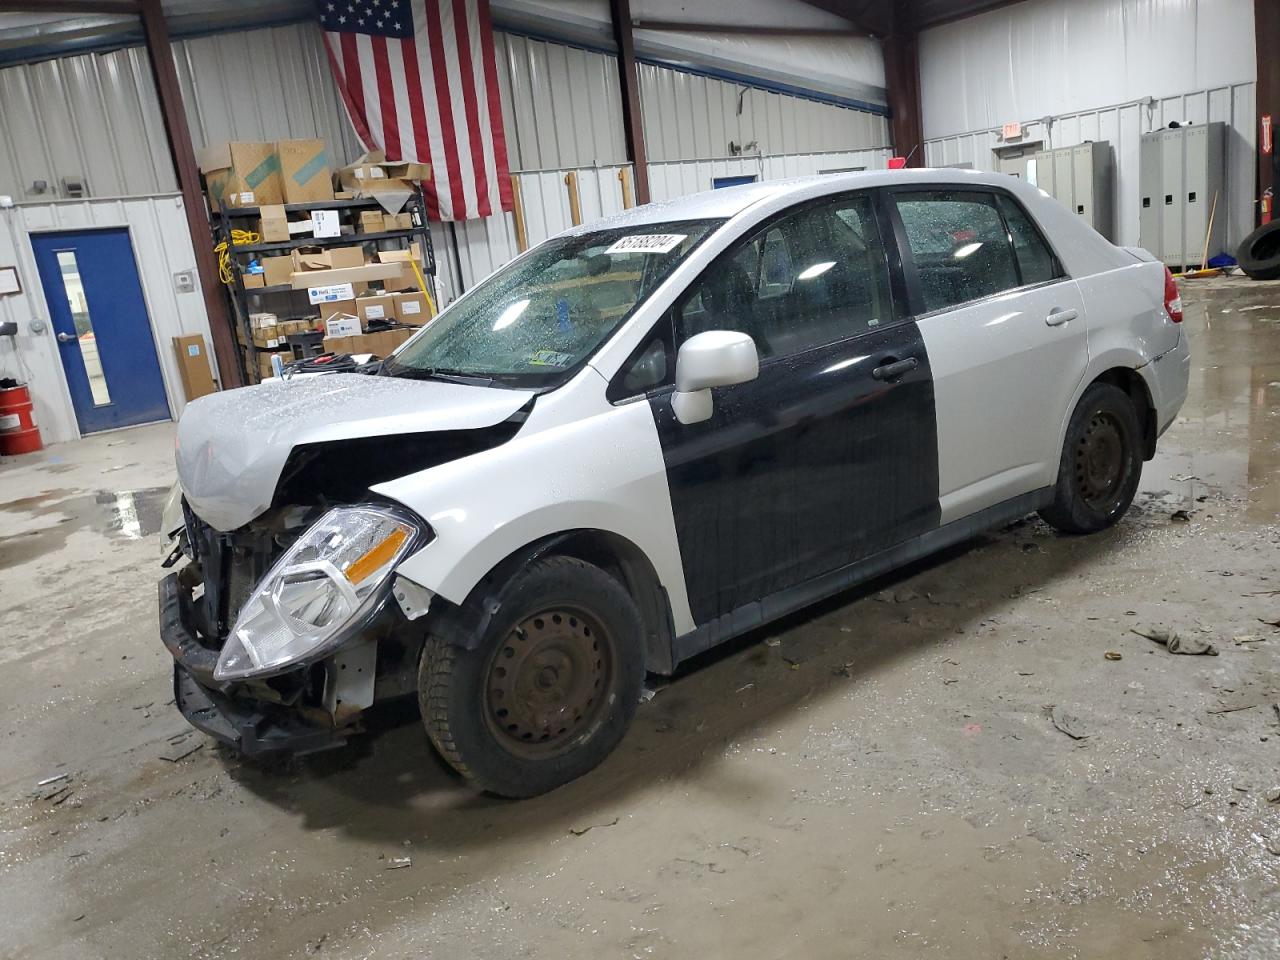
(233, 445)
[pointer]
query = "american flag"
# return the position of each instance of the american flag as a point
(419, 81)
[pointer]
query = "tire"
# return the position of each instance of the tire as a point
(1101, 463)
(1259, 254)
(549, 688)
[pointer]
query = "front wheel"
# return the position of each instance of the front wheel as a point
(1101, 463)
(547, 690)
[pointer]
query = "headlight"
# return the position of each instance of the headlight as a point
(328, 580)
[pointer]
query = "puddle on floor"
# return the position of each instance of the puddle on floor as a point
(122, 514)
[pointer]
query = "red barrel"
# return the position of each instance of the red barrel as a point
(18, 430)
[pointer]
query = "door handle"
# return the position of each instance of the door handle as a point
(1057, 316)
(895, 369)
(66, 337)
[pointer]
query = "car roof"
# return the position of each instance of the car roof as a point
(727, 202)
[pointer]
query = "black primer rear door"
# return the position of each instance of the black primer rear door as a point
(830, 455)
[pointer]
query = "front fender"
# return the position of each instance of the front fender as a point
(602, 472)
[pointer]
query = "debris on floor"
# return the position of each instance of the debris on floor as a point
(579, 831)
(1175, 642)
(1068, 723)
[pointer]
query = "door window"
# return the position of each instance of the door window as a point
(1034, 257)
(959, 245)
(813, 277)
(79, 307)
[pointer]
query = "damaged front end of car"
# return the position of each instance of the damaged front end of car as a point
(285, 630)
(285, 615)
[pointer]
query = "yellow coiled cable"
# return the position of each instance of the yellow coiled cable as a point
(240, 238)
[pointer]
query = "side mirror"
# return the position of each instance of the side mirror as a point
(717, 358)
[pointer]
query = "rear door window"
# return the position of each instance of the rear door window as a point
(959, 244)
(1035, 259)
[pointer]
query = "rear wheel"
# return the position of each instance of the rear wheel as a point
(549, 689)
(1101, 463)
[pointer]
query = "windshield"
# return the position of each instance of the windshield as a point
(537, 320)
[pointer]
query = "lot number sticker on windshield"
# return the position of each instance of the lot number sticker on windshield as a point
(650, 243)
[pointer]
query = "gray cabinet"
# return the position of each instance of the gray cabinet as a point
(1180, 175)
(1080, 178)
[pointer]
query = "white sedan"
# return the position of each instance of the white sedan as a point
(646, 436)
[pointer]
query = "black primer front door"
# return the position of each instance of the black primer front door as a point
(830, 455)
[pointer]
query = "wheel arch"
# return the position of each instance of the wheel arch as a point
(612, 553)
(1132, 382)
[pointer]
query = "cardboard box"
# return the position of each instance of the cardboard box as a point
(251, 281)
(371, 221)
(338, 308)
(397, 221)
(367, 273)
(340, 326)
(193, 366)
(304, 170)
(391, 184)
(376, 307)
(406, 279)
(273, 226)
(329, 259)
(239, 168)
(412, 308)
(277, 270)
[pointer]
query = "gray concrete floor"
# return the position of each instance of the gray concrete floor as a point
(885, 781)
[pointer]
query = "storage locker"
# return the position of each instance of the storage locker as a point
(1181, 174)
(1079, 178)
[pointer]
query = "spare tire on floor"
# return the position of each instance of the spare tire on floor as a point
(1259, 254)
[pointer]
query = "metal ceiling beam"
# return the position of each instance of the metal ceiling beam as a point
(873, 17)
(160, 53)
(902, 81)
(681, 26)
(1266, 17)
(72, 6)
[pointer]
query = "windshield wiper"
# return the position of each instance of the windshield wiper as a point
(442, 373)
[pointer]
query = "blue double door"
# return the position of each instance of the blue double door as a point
(100, 320)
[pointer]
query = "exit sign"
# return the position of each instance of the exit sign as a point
(1011, 131)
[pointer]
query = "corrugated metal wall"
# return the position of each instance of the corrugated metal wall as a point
(96, 115)
(162, 247)
(688, 117)
(561, 105)
(271, 84)
(680, 177)
(92, 117)
(1123, 126)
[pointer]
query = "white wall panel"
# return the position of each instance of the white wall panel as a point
(678, 178)
(1123, 127)
(687, 116)
(96, 116)
(561, 104)
(1049, 57)
(162, 247)
(269, 84)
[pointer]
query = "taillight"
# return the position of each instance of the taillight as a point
(1172, 298)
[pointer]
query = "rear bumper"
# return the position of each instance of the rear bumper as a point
(250, 725)
(1171, 372)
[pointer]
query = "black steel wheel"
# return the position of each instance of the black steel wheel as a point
(1101, 462)
(547, 680)
(526, 690)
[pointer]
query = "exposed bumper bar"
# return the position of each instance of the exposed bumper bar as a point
(252, 726)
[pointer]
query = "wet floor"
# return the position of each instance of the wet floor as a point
(977, 758)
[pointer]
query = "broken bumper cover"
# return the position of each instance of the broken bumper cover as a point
(252, 726)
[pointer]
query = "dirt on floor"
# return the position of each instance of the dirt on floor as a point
(978, 757)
